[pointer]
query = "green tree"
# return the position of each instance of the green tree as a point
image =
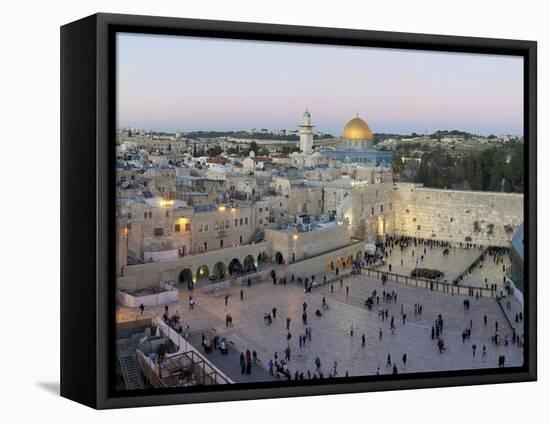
(214, 151)
(254, 147)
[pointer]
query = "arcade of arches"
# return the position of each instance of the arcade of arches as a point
(235, 267)
(221, 270)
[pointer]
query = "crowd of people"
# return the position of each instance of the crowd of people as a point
(383, 303)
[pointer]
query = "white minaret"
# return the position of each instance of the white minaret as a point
(306, 134)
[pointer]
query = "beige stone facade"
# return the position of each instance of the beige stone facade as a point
(483, 218)
(295, 245)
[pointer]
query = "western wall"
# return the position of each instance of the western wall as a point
(483, 218)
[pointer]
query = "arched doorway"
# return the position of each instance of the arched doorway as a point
(262, 258)
(249, 264)
(235, 267)
(219, 271)
(340, 263)
(330, 266)
(349, 260)
(359, 256)
(279, 258)
(185, 278)
(203, 273)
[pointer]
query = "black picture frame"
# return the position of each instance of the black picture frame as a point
(88, 206)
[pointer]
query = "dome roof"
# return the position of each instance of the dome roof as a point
(357, 129)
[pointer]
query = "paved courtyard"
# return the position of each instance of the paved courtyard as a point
(488, 269)
(452, 265)
(331, 340)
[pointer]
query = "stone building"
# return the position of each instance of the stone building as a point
(294, 243)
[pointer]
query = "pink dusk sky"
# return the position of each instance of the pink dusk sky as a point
(170, 83)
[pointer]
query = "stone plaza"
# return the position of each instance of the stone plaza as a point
(331, 340)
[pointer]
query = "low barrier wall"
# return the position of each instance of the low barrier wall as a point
(429, 284)
(169, 295)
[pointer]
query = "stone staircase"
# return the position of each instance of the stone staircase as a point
(130, 369)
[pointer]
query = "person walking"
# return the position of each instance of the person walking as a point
(404, 359)
(243, 363)
(288, 323)
(142, 308)
(242, 294)
(351, 330)
(317, 364)
(363, 340)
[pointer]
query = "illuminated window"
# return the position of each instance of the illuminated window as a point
(177, 228)
(187, 227)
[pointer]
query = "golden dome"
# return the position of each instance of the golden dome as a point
(357, 130)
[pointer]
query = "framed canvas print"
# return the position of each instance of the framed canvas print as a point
(256, 211)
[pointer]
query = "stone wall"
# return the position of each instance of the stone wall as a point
(484, 218)
(372, 212)
(320, 264)
(147, 275)
(305, 200)
(300, 245)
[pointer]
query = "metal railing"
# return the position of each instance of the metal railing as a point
(430, 284)
(186, 347)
